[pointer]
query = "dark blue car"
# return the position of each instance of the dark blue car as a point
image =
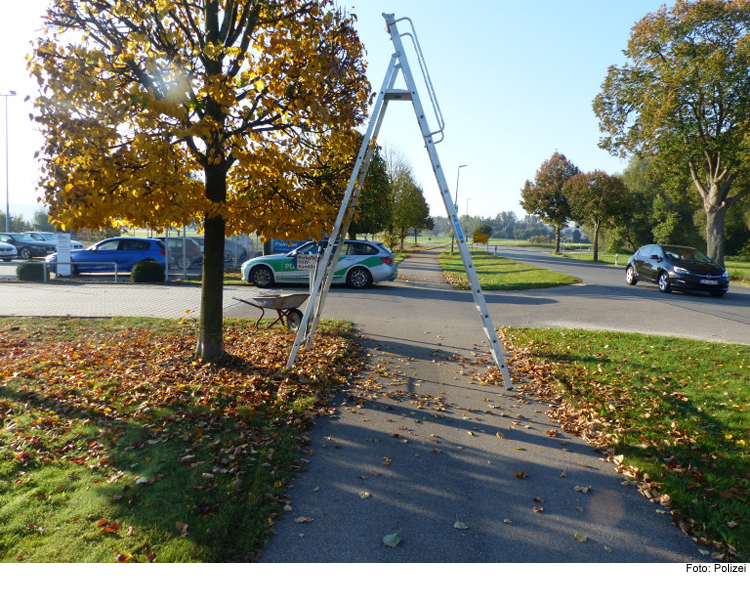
(681, 268)
(122, 252)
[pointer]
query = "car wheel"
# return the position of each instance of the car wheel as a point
(8, 260)
(630, 276)
(359, 278)
(25, 253)
(261, 276)
(294, 319)
(717, 294)
(74, 270)
(664, 286)
(183, 263)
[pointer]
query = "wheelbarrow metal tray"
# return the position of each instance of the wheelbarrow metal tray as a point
(281, 301)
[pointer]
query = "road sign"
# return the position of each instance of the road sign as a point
(306, 262)
(481, 238)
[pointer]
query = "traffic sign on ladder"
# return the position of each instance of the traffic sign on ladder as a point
(321, 283)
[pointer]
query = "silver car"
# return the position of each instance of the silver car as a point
(52, 237)
(7, 251)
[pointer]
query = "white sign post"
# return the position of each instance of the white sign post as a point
(308, 262)
(63, 255)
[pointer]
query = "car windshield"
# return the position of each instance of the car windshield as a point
(309, 248)
(23, 238)
(690, 255)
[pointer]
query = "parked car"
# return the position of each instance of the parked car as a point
(102, 256)
(7, 251)
(233, 252)
(26, 246)
(360, 264)
(185, 252)
(52, 237)
(682, 268)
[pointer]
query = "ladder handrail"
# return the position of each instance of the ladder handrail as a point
(426, 77)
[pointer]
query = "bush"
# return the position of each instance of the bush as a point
(147, 272)
(32, 272)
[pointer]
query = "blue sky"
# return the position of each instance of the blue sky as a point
(515, 82)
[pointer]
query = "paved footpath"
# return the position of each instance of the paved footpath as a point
(462, 472)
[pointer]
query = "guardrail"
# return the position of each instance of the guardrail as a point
(46, 267)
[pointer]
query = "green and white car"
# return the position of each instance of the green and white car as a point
(360, 264)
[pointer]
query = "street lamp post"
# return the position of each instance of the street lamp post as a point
(7, 169)
(455, 205)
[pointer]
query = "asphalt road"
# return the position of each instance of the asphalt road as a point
(603, 301)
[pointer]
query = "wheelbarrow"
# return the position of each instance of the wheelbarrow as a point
(285, 305)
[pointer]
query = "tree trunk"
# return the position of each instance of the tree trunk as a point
(558, 232)
(715, 203)
(596, 241)
(715, 222)
(210, 337)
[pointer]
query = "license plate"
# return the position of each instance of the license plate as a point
(709, 282)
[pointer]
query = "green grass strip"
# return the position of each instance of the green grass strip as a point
(498, 273)
(676, 410)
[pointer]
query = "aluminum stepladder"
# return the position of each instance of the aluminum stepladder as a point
(325, 270)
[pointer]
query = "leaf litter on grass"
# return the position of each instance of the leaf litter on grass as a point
(121, 417)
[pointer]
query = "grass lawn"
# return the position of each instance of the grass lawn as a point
(605, 258)
(738, 270)
(117, 446)
(673, 412)
(496, 273)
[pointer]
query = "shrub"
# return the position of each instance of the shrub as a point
(32, 272)
(147, 272)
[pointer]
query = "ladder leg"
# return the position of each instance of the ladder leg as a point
(314, 308)
(476, 290)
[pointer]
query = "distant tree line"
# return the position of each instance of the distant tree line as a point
(18, 224)
(391, 201)
(506, 224)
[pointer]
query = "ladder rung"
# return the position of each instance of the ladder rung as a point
(398, 95)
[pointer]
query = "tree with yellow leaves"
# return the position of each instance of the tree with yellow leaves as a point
(237, 115)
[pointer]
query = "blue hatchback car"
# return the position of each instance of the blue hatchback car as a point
(104, 255)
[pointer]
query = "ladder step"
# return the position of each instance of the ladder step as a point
(398, 95)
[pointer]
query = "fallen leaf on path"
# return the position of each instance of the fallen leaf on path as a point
(392, 540)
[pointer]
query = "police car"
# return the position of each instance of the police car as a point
(361, 263)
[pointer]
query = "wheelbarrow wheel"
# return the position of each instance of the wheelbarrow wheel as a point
(294, 319)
